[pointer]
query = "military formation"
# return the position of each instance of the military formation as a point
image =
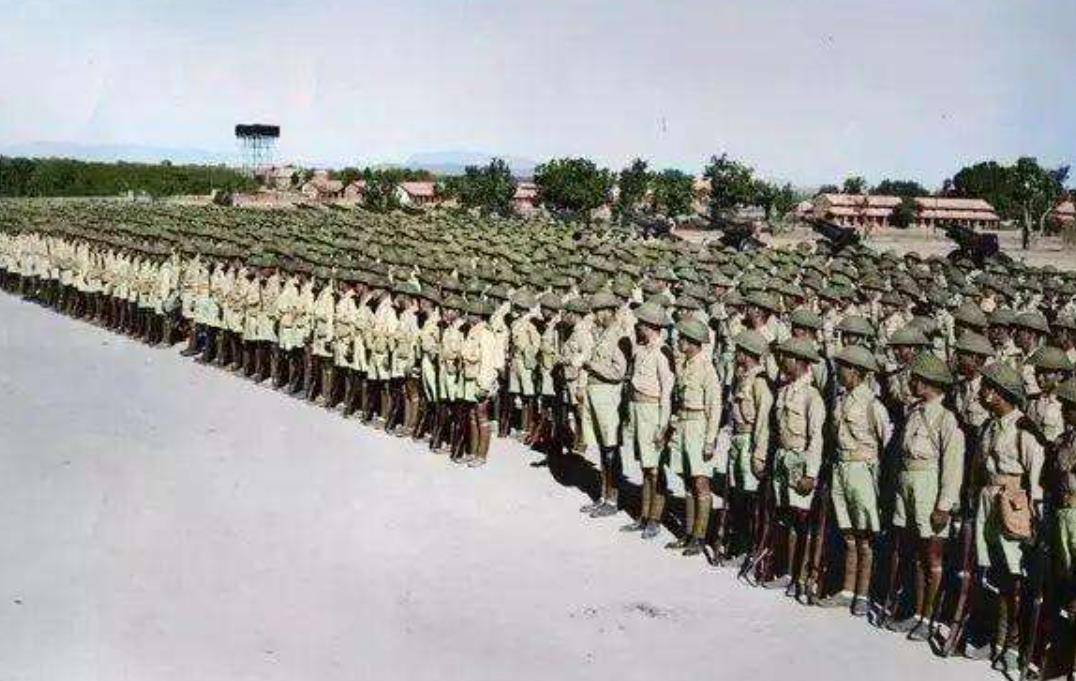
(890, 435)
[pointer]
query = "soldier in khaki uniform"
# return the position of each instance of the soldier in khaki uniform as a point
(606, 370)
(649, 411)
(928, 487)
(1062, 474)
(345, 323)
(525, 343)
(479, 367)
(694, 431)
(1008, 472)
(574, 354)
(750, 411)
(449, 377)
(403, 384)
(290, 341)
(972, 351)
(318, 372)
(548, 325)
(1052, 367)
(801, 415)
(863, 431)
(429, 348)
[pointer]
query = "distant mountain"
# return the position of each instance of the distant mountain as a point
(134, 153)
(454, 162)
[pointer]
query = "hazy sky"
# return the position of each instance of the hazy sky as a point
(804, 91)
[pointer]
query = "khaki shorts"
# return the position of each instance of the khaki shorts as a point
(1066, 540)
(643, 429)
(741, 476)
(991, 546)
(917, 494)
(855, 495)
(603, 412)
(687, 448)
(788, 468)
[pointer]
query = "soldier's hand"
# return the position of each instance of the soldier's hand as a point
(708, 451)
(938, 520)
(805, 485)
(758, 468)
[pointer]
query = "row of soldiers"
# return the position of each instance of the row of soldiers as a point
(812, 424)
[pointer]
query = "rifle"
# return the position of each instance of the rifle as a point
(1040, 565)
(816, 539)
(974, 245)
(839, 237)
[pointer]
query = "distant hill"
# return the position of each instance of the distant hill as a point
(134, 153)
(454, 162)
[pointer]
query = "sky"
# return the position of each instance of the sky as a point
(803, 91)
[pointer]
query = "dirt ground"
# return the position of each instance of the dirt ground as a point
(165, 521)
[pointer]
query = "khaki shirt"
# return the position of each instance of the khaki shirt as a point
(698, 390)
(479, 355)
(452, 347)
(608, 361)
(752, 402)
(1045, 410)
(863, 427)
(801, 414)
(1010, 450)
(652, 378)
(968, 408)
(1063, 466)
(932, 435)
(525, 343)
(429, 337)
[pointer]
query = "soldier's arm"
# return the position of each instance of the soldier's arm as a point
(1033, 458)
(816, 421)
(712, 400)
(952, 463)
(665, 385)
(763, 398)
(883, 427)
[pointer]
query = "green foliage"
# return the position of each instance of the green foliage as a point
(673, 192)
(633, 182)
(854, 184)
(904, 213)
(348, 175)
(785, 200)
(398, 175)
(575, 185)
(732, 185)
(380, 195)
(829, 189)
(909, 188)
(1024, 192)
(489, 188)
(68, 177)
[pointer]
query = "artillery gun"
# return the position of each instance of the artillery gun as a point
(839, 237)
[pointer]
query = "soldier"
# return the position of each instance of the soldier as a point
(606, 371)
(904, 345)
(972, 352)
(862, 435)
(290, 342)
(694, 431)
(648, 413)
(479, 360)
(379, 360)
(1031, 328)
(404, 389)
(1052, 367)
(1062, 474)
(1010, 497)
(429, 348)
(751, 405)
(574, 354)
(548, 326)
(270, 354)
(345, 322)
(450, 386)
(525, 343)
(796, 463)
(252, 304)
(319, 368)
(928, 489)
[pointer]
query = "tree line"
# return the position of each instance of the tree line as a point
(68, 177)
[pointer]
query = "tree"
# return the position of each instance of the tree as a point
(732, 185)
(786, 200)
(828, 189)
(673, 192)
(348, 175)
(1024, 192)
(489, 188)
(900, 188)
(854, 184)
(575, 185)
(904, 213)
(765, 196)
(633, 183)
(380, 193)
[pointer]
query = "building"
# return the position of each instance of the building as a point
(355, 191)
(321, 188)
(525, 200)
(277, 177)
(416, 193)
(1064, 215)
(866, 212)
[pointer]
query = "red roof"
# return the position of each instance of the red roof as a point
(425, 190)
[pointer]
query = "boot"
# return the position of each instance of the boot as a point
(192, 341)
(689, 523)
(325, 398)
(295, 373)
(222, 347)
(485, 432)
(166, 332)
(348, 403)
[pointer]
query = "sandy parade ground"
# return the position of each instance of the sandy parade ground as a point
(164, 520)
